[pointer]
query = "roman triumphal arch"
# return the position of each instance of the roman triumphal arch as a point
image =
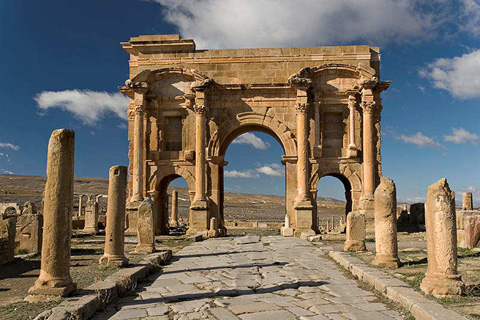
(322, 104)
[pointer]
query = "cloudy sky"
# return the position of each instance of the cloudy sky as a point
(61, 64)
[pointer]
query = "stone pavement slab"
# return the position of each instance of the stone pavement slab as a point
(251, 277)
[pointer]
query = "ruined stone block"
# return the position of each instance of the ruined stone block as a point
(29, 232)
(472, 231)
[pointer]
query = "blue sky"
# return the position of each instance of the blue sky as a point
(61, 64)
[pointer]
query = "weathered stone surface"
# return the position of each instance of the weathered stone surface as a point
(355, 232)
(441, 278)
(179, 124)
(145, 227)
(54, 276)
(115, 229)
(92, 212)
(7, 239)
(222, 279)
(472, 231)
(29, 208)
(417, 212)
(467, 203)
(386, 225)
(29, 232)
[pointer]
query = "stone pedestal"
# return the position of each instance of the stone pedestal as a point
(355, 232)
(386, 225)
(213, 230)
(131, 217)
(286, 231)
(441, 278)
(29, 232)
(115, 229)
(198, 217)
(54, 276)
(306, 218)
(467, 201)
(92, 212)
(146, 227)
(472, 231)
(7, 239)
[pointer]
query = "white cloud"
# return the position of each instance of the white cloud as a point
(123, 126)
(253, 140)
(459, 75)
(419, 139)
(88, 106)
(273, 170)
(461, 135)
(247, 174)
(267, 23)
(7, 172)
(9, 146)
(470, 10)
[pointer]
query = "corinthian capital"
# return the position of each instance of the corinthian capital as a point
(199, 109)
(368, 106)
(368, 83)
(302, 108)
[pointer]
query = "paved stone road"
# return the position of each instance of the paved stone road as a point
(251, 278)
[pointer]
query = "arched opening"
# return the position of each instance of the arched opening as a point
(164, 204)
(334, 201)
(253, 181)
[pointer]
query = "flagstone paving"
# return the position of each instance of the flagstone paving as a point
(251, 278)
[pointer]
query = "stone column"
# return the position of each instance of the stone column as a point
(91, 216)
(304, 209)
(355, 232)
(80, 205)
(386, 225)
(199, 206)
(146, 227)
(115, 229)
(441, 278)
(138, 148)
(54, 276)
(467, 201)
(352, 147)
(174, 216)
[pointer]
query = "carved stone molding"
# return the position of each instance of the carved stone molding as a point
(302, 108)
(138, 87)
(368, 106)
(199, 109)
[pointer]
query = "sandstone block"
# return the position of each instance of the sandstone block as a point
(355, 232)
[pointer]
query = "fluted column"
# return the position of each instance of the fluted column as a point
(352, 147)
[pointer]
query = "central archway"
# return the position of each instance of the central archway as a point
(255, 169)
(219, 144)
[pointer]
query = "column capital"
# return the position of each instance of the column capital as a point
(199, 109)
(351, 101)
(302, 108)
(368, 106)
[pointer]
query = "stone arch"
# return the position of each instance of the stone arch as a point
(359, 72)
(150, 76)
(250, 121)
(350, 179)
(159, 182)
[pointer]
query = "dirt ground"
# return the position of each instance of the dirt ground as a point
(16, 278)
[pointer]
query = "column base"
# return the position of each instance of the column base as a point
(198, 217)
(131, 217)
(287, 232)
(144, 248)
(214, 233)
(367, 209)
(113, 261)
(90, 230)
(386, 261)
(305, 222)
(173, 223)
(54, 287)
(352, 151)
(440, 285)
(354, 246)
